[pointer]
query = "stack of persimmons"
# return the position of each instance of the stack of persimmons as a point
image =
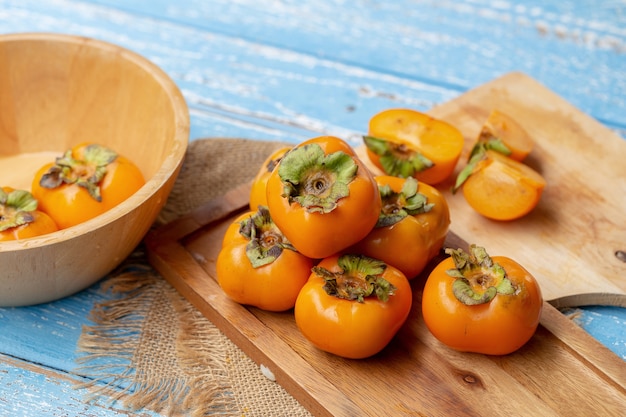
(340, 246)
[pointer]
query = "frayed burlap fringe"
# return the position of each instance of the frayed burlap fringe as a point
(149, 323)
(149, 348)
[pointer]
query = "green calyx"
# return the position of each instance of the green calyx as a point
(360, 277)
(490, 143)
(87, 173)
(397, 159)
(266, 241)
(478, 278)
(315, 180)
(397, 206)
(16, 208)
(478, 153)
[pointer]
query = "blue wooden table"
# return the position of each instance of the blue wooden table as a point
(292, 69)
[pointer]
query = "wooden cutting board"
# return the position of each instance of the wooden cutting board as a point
(571, 241)
(568, 243)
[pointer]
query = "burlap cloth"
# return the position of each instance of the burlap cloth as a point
(149, 348)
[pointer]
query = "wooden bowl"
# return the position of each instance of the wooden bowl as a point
(57, 91)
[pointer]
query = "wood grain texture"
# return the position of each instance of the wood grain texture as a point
(47, 334)
(282, 70)
(455, 45)
(28, 390)
(235, 87)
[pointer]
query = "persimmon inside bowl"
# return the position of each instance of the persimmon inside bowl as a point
(57, 91)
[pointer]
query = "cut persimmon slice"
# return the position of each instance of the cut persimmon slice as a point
(502, 133)
(404, 142)
(501, 188)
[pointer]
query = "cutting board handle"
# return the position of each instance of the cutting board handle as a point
(590, 299)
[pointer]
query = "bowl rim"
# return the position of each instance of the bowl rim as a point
(170, 164)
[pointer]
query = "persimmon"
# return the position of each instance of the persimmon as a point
(501, 188)
(500, 133)
(84, 182)
(20, 217)
(258, 195)
(503, 134)
(476, 303)
(353, 305)
(323, 197)
(257, 266)
(411, 228)
(407, 143)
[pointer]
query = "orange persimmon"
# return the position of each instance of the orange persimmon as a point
(411, 228)
(257, 266)
(84, 182)
(353, 305)
(404, 143)
(323, 197)
(258, 195)
(475, 303)
(501, 188)
(20, 217)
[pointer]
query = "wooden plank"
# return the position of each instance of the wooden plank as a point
(576, 51)
(270, 78)
(215, 112)
(29, 390)
(47, 333)
(247, 86)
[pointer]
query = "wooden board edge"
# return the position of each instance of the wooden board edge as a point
(588, 349)
(211, 211)
(519, 77)
(590, 299)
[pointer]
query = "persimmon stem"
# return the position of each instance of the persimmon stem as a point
(478, 153)
(87, 172)
(266, 241)
(359, 277)
(397, 206)
(16, 208)
(315, 180)
(477, 278)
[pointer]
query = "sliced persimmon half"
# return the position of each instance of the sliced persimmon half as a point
(501, 188)
(408, 143)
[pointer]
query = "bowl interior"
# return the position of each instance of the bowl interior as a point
(58, 91)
